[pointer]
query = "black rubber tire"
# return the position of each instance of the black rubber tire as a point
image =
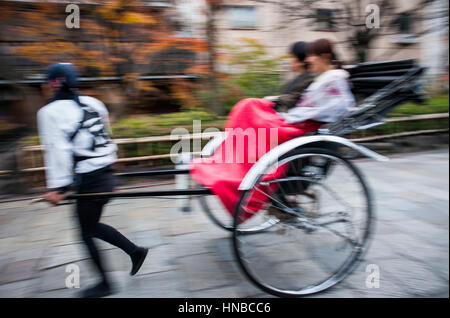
(220, 224)
(212, 217)
(352, 260)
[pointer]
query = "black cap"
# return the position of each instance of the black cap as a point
(63, 70)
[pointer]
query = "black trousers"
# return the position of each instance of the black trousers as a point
(89, 212)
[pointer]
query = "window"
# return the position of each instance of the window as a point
(156, 3)
(405, 23)
(324, 19)
(242, 17)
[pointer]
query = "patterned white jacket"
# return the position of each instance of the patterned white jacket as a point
(75, 139)
(327, 99)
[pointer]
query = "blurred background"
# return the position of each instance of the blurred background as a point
(160, 64)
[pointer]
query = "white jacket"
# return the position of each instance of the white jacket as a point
(57, 122)
(327, 99)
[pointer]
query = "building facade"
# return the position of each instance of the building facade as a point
(406, 29)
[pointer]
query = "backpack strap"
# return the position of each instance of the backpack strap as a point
(87, 115)
(80, 123)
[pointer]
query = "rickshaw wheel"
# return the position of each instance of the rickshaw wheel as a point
(219, 216)
(223, 221)
(309, 250)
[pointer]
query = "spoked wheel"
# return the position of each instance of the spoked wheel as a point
(216, 212)
(325, 219)
(220, 216)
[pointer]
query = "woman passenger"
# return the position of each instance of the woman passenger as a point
(329, 97)
(251, 122)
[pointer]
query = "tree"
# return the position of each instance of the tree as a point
(213, 6)
(116, 38)
(256, 74)
(348, 18)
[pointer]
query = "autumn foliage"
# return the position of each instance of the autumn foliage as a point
(115, 37)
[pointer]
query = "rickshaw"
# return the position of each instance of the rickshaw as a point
(314, 226)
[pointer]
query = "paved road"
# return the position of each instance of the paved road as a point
(190, 257)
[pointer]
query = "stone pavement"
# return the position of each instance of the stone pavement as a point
(191, 257)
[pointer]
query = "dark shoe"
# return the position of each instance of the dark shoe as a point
(102, 289)
(137, 258)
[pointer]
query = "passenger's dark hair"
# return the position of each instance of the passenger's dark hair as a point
(299, 50)
(324, 46)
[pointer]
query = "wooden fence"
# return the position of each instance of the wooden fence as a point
(29, 158)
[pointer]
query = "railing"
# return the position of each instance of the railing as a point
(31, 153)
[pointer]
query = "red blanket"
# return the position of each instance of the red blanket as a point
(253, 128)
